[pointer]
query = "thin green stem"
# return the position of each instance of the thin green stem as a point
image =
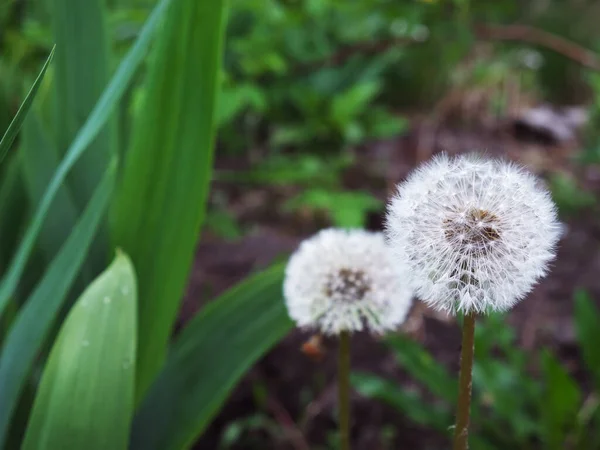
(463, 409)
(344, 390)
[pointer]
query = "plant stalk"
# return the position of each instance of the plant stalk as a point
(344, 390)
(463, 408)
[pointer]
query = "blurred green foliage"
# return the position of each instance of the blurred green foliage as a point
(320, 74)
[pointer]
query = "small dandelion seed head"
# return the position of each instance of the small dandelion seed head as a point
(346, 280)
(476, 234)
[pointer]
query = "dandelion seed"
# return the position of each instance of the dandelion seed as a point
(346, 280)
(476, 234)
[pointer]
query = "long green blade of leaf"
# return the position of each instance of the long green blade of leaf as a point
(81, 73)
(85, 398)
(207, 360)
(39, 162)
(14, 127)
(37, 316)
(13, 209)
(82, 69)
(87, 133)
(160, 206)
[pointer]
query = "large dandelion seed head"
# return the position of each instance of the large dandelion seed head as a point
(476, 234)
(346, 280)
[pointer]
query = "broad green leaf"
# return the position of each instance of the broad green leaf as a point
(416, 360)
(15, 125)
(39, 162)
(161, 202)
(85, 398)
(208, 359)
(96, 120)
(587, 318)
(35, 319)
(409, 403)
(82, 68)
(562, 402)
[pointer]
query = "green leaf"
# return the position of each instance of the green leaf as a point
(587, 318)
(562, 401)
(13, 208)
(85, 399)
(161, 203)
(510, 393)
(207, 360)
(349, 104)
(416, 360)
(35, 319)
(82, 68)
(81, 73)
(39, 162)
(98, 117)
(410, 403)
(346, 209)
(15, 125)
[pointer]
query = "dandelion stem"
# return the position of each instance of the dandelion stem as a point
(344, 390)
(463, 409)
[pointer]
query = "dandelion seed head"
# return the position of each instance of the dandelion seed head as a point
(475, 233)
(346, 280)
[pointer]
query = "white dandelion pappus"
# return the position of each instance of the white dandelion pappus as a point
(476, 234)
(346, 280)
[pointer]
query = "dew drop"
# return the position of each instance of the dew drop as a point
(125, 290)
(85, 343)
(126, 364)
(106, 300)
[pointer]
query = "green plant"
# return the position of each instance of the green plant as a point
(512, 407)
(278, 75)
(101, 337)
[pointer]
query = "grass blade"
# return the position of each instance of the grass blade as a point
(87, 133)
(207, 360)
(35, 319)
(85, 399)
(160, 205)
(14, 127)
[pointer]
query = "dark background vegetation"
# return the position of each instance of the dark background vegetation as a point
(325, 106)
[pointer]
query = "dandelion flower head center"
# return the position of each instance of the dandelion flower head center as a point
(473, 232)
(347, 285)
